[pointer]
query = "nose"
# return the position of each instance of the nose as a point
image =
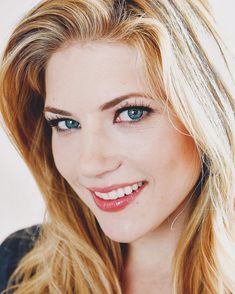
(98, 154)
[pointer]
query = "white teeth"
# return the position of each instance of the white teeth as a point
(113, 195)
(135, 187)
(121, 192)
(128, 190)
(102, 195)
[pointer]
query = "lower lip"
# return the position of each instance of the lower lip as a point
(119, 203)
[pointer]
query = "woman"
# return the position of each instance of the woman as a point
(124, 112)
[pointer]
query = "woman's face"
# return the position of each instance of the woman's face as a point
(109, 137)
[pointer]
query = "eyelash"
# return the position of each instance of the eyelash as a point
(53, 122)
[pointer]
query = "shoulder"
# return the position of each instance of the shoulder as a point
(13, 248)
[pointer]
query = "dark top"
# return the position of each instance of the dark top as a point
(13, 249)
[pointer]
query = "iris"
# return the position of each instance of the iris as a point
(71, 124)
(135, 114)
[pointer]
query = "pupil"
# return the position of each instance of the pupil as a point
(135, 113)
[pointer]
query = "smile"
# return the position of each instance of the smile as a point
(121, 192)
(118, 199)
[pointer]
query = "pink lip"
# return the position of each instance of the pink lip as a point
(116, 204)
(111, 188)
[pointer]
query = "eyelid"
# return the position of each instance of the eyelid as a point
(119, 111)
(145, 106)
(53, 116)
(136, 103)
(54, 121)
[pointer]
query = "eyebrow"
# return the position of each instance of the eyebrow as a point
(103, 107)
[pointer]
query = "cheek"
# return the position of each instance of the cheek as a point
(167, 157)
(63, 153)
(176, 165)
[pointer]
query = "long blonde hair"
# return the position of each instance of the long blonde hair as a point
(175, 40)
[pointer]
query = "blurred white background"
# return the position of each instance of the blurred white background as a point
(21, 204)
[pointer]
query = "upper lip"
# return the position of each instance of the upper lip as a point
(111, 188)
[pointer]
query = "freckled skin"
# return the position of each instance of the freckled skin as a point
(79, 79)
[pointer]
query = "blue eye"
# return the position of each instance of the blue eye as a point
(132, 113)
(135, 114)
(63, 124)
(68, 124)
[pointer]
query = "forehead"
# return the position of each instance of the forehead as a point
(95, 69)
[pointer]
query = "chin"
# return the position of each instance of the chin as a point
(121, 238)
(121, 234)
